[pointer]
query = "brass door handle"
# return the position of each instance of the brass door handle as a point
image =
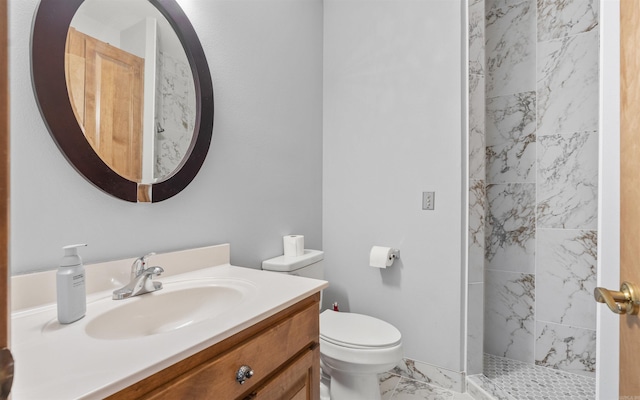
(625, 301)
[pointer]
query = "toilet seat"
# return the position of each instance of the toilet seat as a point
(357, 331)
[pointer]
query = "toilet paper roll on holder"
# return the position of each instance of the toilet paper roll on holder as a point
(383, 257)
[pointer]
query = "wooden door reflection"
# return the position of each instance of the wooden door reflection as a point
(106, 87)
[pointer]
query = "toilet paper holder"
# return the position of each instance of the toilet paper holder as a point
(383, 257)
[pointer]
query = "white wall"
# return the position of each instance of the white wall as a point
(141, 39)
(393, 129)
(261, 179)
(608, 323)
(88, 26)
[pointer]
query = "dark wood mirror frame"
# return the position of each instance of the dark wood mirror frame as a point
(48, 41)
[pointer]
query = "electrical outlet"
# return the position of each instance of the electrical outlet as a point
(428, 200)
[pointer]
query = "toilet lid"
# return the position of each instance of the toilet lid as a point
(357, 330)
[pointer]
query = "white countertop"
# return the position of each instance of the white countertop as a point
(56, 361)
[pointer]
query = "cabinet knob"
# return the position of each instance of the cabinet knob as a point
(245, 372)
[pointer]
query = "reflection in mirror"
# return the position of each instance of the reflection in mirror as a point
(48, 66)
(131, 87)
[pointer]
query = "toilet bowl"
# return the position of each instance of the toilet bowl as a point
(354, 348)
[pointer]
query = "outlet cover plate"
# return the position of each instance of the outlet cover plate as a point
(428, 200)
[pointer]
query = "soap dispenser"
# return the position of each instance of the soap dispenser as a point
(71, 291)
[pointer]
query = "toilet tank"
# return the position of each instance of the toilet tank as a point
(308, 265)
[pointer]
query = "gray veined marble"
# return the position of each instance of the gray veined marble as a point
(511, 136)
(477, 187)
(388, 383)
(431, 374)
(541, 165)
(175, 100)
(568, 181)
(510, 46)
(566, 276)
(475, 328)
(482, 388)
(477, 210)
(476, 38)
(413, 390)
(509, 315)
(476, 127)
(394, 387)
(568, 84)
(559, 18)
(566, 348)
(510, 227)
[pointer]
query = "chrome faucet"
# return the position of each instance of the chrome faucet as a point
(141, 279)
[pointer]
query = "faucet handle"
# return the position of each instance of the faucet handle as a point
(146, 256)
(139, 264)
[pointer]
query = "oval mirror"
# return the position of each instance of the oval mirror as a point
(126, 92)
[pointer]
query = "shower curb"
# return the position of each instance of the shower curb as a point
(482, 388)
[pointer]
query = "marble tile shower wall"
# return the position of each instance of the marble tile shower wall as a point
(477, 187)
(541, 181)
(175, 102)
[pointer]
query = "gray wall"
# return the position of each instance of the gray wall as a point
(393, 129)
(260, 181)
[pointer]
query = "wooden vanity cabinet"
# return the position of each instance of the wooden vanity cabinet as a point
(298, 380)
(283, 351)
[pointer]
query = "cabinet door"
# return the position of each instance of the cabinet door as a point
(299, 380)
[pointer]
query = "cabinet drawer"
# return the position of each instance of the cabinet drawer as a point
(264, 353)
(298, 380)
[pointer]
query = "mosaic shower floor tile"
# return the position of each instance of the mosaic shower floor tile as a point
(525, 381)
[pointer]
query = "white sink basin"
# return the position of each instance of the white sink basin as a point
(177, 305)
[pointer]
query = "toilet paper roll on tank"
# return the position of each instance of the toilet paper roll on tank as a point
(293, 245)
(383, 257)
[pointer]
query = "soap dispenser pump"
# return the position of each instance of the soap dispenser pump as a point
(71, 290)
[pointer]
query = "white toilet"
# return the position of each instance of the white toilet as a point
(354, 348)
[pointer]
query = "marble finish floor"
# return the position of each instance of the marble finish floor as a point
(395, 387)
(503, 379)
